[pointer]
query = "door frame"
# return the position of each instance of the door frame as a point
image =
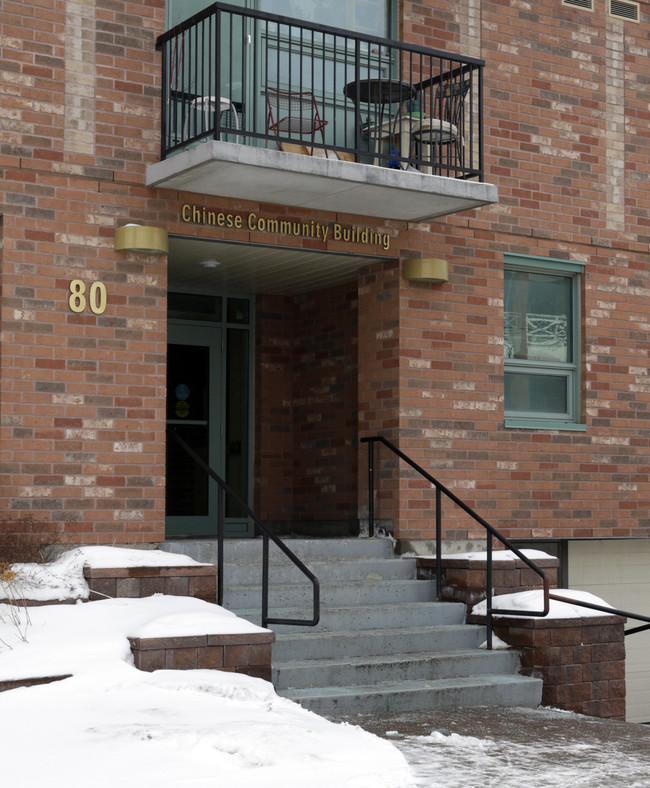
(206, 526)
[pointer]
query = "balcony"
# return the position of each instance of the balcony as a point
(257, 106)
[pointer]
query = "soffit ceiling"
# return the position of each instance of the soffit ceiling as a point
(255, 268)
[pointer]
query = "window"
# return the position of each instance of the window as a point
(542, 342)
(372, 17)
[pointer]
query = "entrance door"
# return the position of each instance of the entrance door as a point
(207, 405)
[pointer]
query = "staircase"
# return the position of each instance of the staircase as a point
(382, 644)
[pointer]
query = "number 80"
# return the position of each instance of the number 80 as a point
(96, 299)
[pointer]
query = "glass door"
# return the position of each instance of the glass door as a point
(208, 406)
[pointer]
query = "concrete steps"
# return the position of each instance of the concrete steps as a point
(383, 643)
(372, 617)
(383, 669)
(403, 696)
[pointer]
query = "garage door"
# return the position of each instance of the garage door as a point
(618, 571)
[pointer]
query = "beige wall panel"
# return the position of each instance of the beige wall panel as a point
(618, 571)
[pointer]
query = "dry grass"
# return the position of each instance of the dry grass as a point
(28, 541)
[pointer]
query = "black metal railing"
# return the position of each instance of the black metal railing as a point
(260, 79)
(612, 611)
(491, 533)
(267, 536)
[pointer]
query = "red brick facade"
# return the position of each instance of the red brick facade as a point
(82, 395)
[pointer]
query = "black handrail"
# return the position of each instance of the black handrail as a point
(612, 611)
(490, 611)
(440, 491)
(225, 489)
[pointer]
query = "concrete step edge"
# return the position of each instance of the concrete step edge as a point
(389, 607)
(412, 686)
(433, 628)
(388, 659)
(362, 582)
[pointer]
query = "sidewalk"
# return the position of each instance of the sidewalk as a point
(512, 748)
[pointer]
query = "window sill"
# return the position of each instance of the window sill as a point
(542, 424)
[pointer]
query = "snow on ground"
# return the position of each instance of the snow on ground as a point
(112, 726)
(459, 761)
(116, 726)
(517, 748)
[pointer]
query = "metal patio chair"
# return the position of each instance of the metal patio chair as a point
(201, 116)
(444, 128)
(294, 114)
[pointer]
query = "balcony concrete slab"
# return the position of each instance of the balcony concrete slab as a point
(227, 169)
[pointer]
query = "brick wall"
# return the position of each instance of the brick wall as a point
(83, 394)
(306, 407)
(568, 150)
(274, 455)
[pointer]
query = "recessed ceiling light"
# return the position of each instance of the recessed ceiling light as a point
(209, 263)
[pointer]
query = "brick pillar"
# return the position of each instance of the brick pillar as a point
(378, 390)
(581, 660)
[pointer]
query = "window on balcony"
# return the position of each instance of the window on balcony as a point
(541, 342)
(370, 17)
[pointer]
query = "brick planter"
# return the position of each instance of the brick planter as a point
(198, 581)
(581, 660)
(464, 579)
(248, 653)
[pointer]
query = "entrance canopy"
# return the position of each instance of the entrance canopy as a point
(216, 266)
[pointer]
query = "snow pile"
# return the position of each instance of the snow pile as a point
(121, 727)
(499, 555)
(112, 725)
(65, 639)
(534, 601)
(102, 557)
(63, 579)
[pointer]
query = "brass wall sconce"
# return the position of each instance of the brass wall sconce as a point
(136, 238)
(427, 269)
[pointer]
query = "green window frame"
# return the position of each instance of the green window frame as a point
(542, 343)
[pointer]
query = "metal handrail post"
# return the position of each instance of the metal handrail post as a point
(488, 583)
(371, 488)
(265, 580)
(438, 544)
(221, 521)
(164, 109)
(217, 73)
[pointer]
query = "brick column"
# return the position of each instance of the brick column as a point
(378, 392)
(581, 660)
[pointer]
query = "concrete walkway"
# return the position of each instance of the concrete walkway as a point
(512, 748)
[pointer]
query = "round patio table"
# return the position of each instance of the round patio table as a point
(381, 92)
